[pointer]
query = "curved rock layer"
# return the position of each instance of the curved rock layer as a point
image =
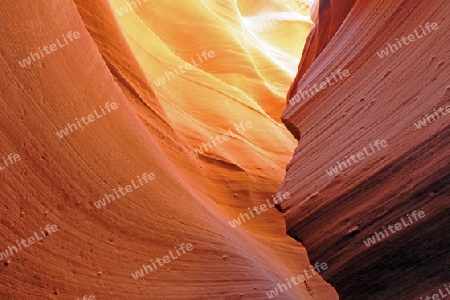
(100, 73)
(369, 177)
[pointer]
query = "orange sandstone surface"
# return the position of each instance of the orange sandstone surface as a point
(129, 168)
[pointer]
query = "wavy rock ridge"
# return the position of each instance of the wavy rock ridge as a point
(147, 129)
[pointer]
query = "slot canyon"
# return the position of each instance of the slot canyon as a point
(225, 149)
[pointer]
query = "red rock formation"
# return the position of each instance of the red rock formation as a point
(382, 99)
(146, 129)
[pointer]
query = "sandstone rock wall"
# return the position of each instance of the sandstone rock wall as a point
(382, 99)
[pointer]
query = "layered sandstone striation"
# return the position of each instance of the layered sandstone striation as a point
(345, 187)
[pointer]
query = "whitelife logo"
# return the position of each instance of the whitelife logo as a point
(411, 38)
(398, 226)
(9, 161)
(305, 94)
(49, 49)
(85, 297)
(128, 189)
(289, 13)
(165, 259)
(273, 293)
(439, 296)
(86, 120)
(434, 116)
(31, 240)
(162, 80)
(225, 137)
(277, 199)
(124, 9)
(356, 157)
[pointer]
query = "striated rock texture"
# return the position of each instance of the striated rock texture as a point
(332, 14)
(386, 94)
(119, 55)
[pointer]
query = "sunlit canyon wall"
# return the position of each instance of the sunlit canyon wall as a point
(134, 141)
